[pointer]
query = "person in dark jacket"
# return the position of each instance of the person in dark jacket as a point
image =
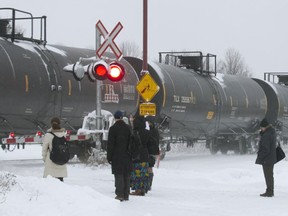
(139, 174)
(266, 155)
(153, 149)
(117, 156)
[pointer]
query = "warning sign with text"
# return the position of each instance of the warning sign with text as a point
(148, 109)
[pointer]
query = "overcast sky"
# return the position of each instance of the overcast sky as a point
(256, 28)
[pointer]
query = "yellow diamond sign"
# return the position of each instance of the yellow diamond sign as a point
(147, 87)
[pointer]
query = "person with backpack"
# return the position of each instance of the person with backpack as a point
(52, 168)
(140, 175)
(118, 156)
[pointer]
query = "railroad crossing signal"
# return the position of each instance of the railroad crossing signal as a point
(147, 87)
(109, 40)
(97, 70)
(102, 70)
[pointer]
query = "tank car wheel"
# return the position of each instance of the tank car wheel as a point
(242, 145)
(104, 144)
(84, 157)
(213, 146)
(224, 150)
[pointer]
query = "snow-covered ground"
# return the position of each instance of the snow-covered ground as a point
(188, 182)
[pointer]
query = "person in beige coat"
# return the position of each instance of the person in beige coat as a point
(52, 169)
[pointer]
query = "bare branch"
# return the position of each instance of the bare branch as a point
(234, 64)
(130, 49)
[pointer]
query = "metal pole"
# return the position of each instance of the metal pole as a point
(98, 86)
(145, 38)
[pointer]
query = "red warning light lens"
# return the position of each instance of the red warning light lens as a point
(100, 70)
(12, 135)
(116, 72)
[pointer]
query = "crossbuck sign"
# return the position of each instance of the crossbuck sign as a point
(109, 40)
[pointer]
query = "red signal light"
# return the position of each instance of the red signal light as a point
(12, 135)
(100, 70)
(39, 133)
(116, 72)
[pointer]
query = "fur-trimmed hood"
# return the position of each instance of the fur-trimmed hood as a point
(57, 130)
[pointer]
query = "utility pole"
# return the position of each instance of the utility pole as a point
(145, 37)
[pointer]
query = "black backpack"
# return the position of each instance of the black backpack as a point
(134, 145)
(60, 150)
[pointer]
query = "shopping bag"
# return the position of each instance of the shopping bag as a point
(280, 154)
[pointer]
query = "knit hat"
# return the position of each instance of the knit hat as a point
(118, 114)
(264, 123)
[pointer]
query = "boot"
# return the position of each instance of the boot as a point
(119, 198)
(138, 193)
(268, 194)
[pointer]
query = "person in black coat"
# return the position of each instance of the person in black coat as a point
(139, 174)
(266, 155)
(153, 149)
(117, 156)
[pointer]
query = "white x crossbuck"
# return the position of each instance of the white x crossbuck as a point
(109, 40)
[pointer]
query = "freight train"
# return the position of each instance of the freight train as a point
(193, 103)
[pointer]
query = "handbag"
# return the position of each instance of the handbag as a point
(280, 154)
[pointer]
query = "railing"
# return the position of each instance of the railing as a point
(277, 77)
(190, 60)
(9, 25)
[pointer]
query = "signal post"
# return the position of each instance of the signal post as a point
(146, 87)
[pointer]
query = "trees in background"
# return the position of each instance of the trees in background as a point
(233, 64)
(131, 49)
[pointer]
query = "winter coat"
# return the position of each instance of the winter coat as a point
(151, 160)
(117, 154)
(51, 168)
(139, 125)
(144, 137)
(266, 154)
(153, 144)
